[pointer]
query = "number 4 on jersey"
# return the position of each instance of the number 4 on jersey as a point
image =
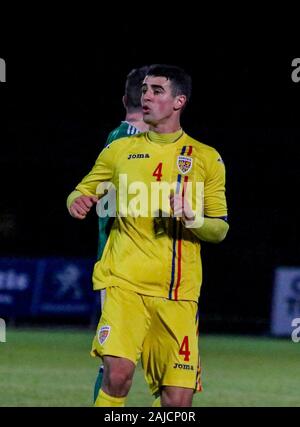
(184, 349)
(157, 173)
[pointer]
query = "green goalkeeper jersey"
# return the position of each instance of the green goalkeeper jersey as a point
(105, 224)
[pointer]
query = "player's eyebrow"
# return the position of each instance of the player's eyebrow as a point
(144, 85)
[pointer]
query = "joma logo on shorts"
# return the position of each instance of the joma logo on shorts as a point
(138, 156)
(181, 366)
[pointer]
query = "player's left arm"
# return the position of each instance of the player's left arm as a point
(211, 230)
(214, 226)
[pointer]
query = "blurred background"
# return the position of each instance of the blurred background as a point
(60, 102)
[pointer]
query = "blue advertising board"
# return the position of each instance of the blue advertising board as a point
(286, 301)
(46, 286)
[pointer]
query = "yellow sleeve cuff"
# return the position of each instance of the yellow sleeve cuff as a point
(212, 230)
(72, 196)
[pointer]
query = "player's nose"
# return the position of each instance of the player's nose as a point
(146, 96)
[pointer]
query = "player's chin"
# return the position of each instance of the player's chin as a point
(148, 119)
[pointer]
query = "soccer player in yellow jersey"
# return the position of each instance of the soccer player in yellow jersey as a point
(151, 265)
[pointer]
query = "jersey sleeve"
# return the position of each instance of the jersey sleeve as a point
(120, 132)
(215, 205)
(102, 171)
(111, 137)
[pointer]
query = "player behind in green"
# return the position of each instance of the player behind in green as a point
(131, 125)
(153, 274)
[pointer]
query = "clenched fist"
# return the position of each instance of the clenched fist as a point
(180, 207)
(81, 206)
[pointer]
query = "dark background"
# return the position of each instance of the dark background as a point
(63, 96)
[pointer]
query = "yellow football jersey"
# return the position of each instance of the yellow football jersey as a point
(152, 255)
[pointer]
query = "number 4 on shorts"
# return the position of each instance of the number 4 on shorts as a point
(184, 349)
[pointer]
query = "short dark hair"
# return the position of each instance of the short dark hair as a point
(181, 81)
(133, 87)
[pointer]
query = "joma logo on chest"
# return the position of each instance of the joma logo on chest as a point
(138, 156)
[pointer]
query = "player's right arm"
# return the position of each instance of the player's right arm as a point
(81, 204)
(86, 193)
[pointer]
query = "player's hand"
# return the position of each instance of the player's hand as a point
(180, 207)
(81, 206)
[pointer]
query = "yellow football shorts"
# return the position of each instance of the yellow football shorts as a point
(160, 331)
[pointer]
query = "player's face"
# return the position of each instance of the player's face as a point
(157, 100)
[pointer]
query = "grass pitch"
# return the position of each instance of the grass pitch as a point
(52, 368)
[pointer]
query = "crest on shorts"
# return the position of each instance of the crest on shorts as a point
(184, 164)
(103, 334)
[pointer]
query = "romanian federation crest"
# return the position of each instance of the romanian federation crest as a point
(103, 334)
(184, 164)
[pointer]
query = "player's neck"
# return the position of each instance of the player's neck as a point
(170, 126)
(165, 138)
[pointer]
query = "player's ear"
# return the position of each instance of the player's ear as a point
(180, 101)
(124, 100)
